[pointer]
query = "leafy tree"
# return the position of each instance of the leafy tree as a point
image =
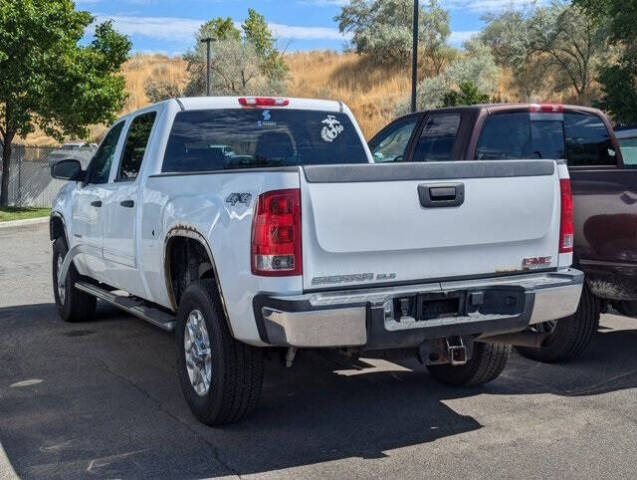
(239, 65)
(382, 29)
(219, 29)
(467, 94)
(619, 80)
(257, 32)
(475, 68)
(48, 80)
(559, 42)
(571, 44)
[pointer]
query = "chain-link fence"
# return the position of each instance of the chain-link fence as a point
(30, 182)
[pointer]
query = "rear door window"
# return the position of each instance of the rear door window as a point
(438, 137)
(391, 144)
(210, 140)
(588, 141)
(521, 135)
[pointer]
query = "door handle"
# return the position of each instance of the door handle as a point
(441, 195)
(96, 203)
(127, 203)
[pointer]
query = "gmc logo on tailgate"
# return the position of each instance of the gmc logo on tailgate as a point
(535, 262)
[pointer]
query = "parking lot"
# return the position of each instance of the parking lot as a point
(101, 399)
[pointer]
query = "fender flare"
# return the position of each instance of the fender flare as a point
(191, 232)
(55, 215)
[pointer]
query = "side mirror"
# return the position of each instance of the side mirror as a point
(68, 170)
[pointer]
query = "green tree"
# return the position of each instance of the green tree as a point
(474, 68)
(218, 28)
(239, 65)
(618, 79)
(48, 80)
(382, 29)
(557, 42)
(257, 32)
(467, 94)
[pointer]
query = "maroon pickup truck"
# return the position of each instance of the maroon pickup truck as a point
(604, 192)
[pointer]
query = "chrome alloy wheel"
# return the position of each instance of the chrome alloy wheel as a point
(61, 289)
(198, 354)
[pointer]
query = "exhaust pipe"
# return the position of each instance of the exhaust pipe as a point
(519, 339)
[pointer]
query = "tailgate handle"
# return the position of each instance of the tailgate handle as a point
(441, 195)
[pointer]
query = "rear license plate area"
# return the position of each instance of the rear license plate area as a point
(428, 306)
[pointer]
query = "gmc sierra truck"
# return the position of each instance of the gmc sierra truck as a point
(252, 223)
(604, 193)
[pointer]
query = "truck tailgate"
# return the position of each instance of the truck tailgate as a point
(375, 224)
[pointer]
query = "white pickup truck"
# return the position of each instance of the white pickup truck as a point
(252, 223)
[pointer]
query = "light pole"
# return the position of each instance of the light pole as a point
(414, 58)
(208, 41)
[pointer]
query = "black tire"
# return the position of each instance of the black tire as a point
(236, 368)
(76, 306)
(486, 364)
(571, 335)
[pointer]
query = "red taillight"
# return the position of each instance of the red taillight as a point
(263, 102)
(276, 234)
(566, 220)
(547, 108)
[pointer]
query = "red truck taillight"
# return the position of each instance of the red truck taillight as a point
(276, 234)
(566, 220)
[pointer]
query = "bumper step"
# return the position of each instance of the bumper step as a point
(133, 305)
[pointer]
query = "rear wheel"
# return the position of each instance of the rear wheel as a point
(72, 304)
(220, 377)
(568, 337)
(486, 364)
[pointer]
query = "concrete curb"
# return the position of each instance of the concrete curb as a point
(24, 223)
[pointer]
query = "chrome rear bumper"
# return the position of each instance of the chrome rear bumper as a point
(358, 317)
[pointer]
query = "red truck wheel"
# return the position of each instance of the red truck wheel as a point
(571, 335)
(486, 364)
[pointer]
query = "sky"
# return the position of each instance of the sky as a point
(167, 26)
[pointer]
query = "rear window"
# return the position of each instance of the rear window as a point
(510, 136)
(209, 140)
(581, 138)
(587, 140)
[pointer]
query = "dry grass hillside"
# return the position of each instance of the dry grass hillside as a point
(371, 92)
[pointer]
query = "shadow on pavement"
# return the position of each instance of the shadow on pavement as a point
(102, 399)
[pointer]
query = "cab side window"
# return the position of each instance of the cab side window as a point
(100, 167)
(135, 147)
(587, 140)
(437, 138)
(391, 146)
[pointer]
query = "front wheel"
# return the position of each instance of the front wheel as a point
(486, 364)
(220, 377)
(72, 304)
(568, 337)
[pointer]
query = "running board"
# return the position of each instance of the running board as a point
(133, 305)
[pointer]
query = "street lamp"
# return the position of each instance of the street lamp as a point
(208, 41)
(414, 58)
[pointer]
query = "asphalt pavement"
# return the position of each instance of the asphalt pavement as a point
(101, 400)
